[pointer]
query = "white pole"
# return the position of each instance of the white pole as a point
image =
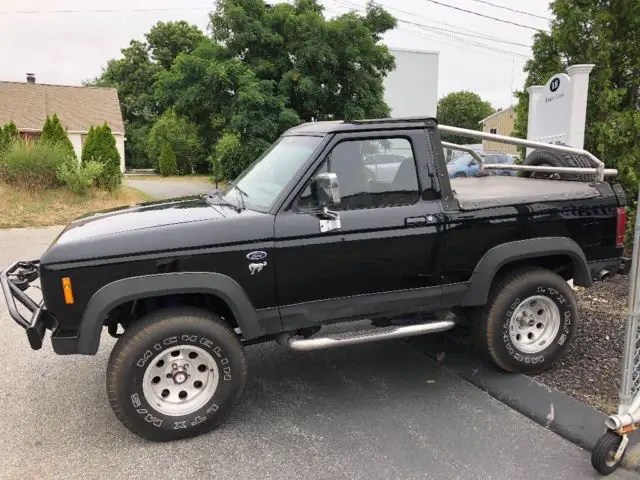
(578, 93)
(534, 92)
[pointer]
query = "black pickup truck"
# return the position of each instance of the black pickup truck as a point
(310, 235)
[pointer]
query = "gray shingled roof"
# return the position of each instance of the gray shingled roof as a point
(78, 108)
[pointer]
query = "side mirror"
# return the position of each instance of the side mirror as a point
(325, 190)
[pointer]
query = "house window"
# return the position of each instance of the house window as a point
(493, 130)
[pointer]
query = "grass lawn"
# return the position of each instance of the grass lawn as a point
(21, 208)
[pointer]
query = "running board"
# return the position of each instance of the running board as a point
(368, 336)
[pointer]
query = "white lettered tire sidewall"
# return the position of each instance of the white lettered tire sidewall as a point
(168, 330)
(514, 291)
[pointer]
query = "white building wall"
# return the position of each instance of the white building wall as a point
(120, 147)
(412, 88)
(76, 141)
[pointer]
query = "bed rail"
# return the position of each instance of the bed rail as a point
(597, 170)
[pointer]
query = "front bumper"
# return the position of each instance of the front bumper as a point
(15, 279)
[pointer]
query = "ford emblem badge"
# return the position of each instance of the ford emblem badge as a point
(257, 255)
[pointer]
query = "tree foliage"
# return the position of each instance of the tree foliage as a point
(265, 68)
(167, 164)
(53, 132)
(167, 40)
(8, 135)
(603, 33)
(100, 146)
(465, 110)
(182, 135)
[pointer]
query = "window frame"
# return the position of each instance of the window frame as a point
(323, 158)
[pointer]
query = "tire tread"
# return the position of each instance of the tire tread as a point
(136, 335)
(484, 328)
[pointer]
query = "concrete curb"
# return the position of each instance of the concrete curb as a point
(560, 413)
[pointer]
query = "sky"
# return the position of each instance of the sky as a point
(69, 47)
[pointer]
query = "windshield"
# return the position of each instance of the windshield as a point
(262, 183)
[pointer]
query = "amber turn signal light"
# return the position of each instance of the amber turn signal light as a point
(67, 290)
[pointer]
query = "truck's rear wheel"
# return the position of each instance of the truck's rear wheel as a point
(175, 374)
(528, 322)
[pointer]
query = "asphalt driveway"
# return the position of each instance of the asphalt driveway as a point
(168, 188)
(380, 411)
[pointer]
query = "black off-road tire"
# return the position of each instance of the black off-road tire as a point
(491, 324)
(160, 335)
(602, 454)
(556, 159)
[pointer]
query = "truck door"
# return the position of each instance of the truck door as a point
(384, 251)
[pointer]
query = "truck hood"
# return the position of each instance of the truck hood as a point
(189, 222)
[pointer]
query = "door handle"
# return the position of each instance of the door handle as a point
(422, 220)
(411, 221)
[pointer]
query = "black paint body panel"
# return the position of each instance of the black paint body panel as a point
(380, 262)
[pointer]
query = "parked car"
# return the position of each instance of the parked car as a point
(467, 166)
(304, 239)
(463, 166)
(503, 159)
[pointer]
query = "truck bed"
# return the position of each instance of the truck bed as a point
(473, 193)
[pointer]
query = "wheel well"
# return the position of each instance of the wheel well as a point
(561, 264)
(127, 313)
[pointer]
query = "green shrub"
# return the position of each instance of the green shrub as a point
(100, 146)
(167, 164)
(227, 157)
(53, 132)
(8, 135)
(33, 166)
(79, 178)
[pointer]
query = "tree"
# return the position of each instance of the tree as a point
(182, 136)
(465, 110)
(327, 69)
(168, 40)
(167, 165)
(54, 133)
(134, 76)
(8, 134)
(602, 33)
(265, 68)
(100, 146)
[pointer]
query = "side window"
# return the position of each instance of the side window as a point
(371, 173)
(493, 130)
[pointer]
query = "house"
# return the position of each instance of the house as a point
(78, 108)
(502, 123)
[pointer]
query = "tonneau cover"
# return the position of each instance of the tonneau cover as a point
(474, 193)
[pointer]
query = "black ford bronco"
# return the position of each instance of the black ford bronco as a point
(315, 232)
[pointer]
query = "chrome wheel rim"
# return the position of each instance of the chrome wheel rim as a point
(181, 380)
(534, 324)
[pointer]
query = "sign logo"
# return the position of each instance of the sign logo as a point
(256, 256)
(555, 84)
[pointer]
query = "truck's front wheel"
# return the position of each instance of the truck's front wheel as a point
(528, 322)
(175, 374)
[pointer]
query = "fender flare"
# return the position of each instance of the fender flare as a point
(500, 255)
(133, 288)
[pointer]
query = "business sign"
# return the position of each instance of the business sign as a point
(553, 111)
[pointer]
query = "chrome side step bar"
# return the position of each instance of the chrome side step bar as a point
(367, 336)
